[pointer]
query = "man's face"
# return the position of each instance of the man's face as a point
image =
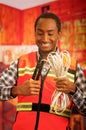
(46, 35)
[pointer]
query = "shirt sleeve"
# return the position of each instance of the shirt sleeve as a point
(79, 98)
(8, 80)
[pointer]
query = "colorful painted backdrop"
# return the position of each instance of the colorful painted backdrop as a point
(17, 38)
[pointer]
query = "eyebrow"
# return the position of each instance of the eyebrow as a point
(47, 30)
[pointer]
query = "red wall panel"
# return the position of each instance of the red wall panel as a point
(10, 23)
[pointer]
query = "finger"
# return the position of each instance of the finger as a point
(60, 86)
(62, 90)
(34, 91)
(36, 83)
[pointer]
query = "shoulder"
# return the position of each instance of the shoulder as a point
(27, 59)
(28, 55)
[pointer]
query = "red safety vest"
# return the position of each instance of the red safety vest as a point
(26, 118)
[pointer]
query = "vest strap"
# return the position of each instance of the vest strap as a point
(29, 106)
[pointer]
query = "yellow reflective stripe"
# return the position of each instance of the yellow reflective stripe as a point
(66, 113)
(28, 107)
(51, 74)
(70, 76)
(24, 106)
(20, 69)
(26, 70)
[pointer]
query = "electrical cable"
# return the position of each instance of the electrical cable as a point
(43, 71)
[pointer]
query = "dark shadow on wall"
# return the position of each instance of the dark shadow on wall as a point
(8, 115)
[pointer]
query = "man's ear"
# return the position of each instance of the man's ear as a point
(60, 34)
(58, 41)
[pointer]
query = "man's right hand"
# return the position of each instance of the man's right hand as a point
(29, 87)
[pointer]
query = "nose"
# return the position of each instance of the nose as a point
(45, 38)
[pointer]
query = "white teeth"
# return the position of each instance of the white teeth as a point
(47, 44)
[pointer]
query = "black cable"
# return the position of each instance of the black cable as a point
(44, 73)
(37, 71)
(39, 103)
(40, 70)
(36, 75)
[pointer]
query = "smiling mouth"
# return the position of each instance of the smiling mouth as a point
(45, 44)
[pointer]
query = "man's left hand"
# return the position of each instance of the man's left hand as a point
(65, 85)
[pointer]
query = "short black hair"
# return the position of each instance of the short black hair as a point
(49, 15)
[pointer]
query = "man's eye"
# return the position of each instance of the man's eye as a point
(50, 34)
(40, 34)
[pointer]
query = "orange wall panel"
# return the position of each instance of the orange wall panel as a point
(10, 22)
(30, 16)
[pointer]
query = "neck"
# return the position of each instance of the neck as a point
(45, 54)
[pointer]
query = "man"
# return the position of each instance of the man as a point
(33, 104)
